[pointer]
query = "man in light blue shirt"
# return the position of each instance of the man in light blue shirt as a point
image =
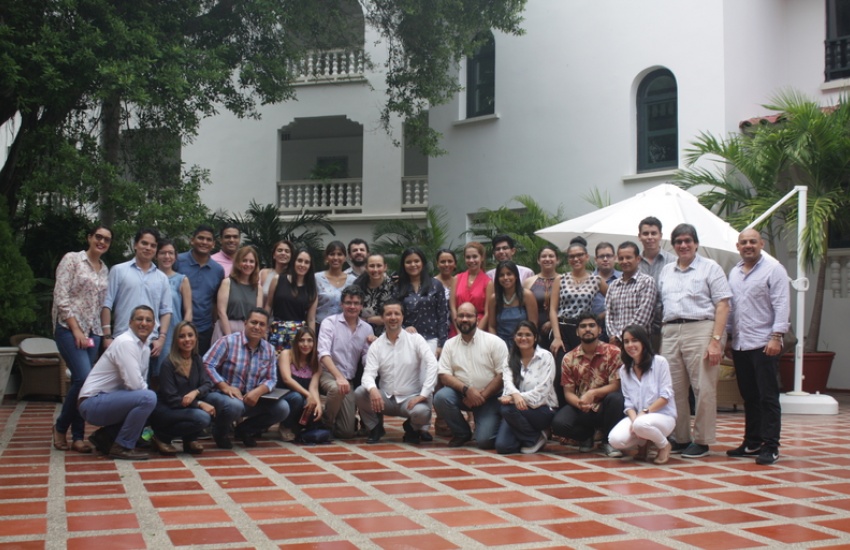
(205, 276)
(605, 260)
(761, 306)
(135, 283)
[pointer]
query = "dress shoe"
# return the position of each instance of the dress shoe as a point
(101, 441)
(459, 440)
(249, 440)
(164, 448)
(410, 435)
(223, 442)
(376, 433)
(81, 446)
(424, 435)
(193, 447)
(123, 453)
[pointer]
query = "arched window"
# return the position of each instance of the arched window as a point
(481, 80)
(657, 123)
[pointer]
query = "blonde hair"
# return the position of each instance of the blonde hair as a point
(254, 277)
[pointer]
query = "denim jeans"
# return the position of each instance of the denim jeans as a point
(79, 362)
(449, 404)
(521, 428)
(228, 410)
(185, 423)
(296, 403)
(128, 409)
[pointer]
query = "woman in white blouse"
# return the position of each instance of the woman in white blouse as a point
(650, 406)
(528, 400)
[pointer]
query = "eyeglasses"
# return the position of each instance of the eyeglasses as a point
(102, 238)
(605, 257)
(502, 248)
(678, 242)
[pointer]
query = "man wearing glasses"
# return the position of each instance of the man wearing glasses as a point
(695, 297)
(504, 248)
(605, 269)
(115, 394)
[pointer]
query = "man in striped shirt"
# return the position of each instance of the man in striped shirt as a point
(631, 298)
(695, 295)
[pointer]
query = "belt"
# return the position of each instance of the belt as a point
(683, 321)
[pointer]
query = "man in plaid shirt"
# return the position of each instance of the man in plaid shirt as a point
(631, 298)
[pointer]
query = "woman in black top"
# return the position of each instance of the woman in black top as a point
(183, 383)
(424, 300)
(292, 301)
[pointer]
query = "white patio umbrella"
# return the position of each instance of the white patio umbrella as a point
(670, 204)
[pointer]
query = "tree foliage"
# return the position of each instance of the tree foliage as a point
(17, 303)
(807, 145)
(391, 237)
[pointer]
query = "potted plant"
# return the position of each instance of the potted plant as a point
(801, 144)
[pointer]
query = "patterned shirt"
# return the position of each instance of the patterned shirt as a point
(230, 360)
(630, 302)
(536, 385)
(575, 298)
(581, 372)
(761, 303)
(79, 292)
(428, 312)
(375, 298)
(692, 293)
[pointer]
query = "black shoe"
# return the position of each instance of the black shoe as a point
(677, 448)
(743, 451)
(695, 450)
(424, 435)
(376, 433)
(248, 440)
(123, 453)
(459, 440)
(101, 441)
(223, 442)
(767, 456)
(410, 435)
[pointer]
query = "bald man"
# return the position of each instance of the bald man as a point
(761, 306)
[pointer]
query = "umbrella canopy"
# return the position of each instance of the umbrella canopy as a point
(670, 204)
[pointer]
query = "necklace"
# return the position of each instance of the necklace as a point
(547, 290)
(507, 300)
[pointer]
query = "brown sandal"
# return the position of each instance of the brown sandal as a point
(81, 446)
(60, 440)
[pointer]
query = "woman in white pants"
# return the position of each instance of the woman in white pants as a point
(649, 401)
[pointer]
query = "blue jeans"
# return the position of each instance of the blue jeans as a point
(228, 410)
(521, 428)
(186, 423)
(128, 409)
(296, 403)
(449, 404)
(79, 362)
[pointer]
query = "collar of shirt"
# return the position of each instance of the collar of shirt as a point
(740, 265)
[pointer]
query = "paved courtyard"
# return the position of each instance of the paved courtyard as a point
(392, 495)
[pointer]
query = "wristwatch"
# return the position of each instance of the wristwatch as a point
(645, 411)
(464, 390)
(715, 337)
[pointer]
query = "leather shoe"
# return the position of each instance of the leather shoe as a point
(60, 440)
(459, 440)
(123, 453)
(410, 435)
(424, 435)
(248, 440)
(223, 442)
(162, 447)
(376, 433)
(192, 447)
(81, 446)
(101, 441)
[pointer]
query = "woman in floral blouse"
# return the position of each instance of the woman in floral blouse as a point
(377, 288)
(78, 294)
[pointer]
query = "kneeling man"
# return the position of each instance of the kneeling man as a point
(242, 368)
(408, 371)
(115, 394)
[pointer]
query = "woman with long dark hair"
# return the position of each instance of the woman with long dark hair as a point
(292, 300)
(471, 286)
(281, 256)
(650, 403)
(528, 399)
(544, 286)
(299, 372)
(509, 303)
(181, 411)
(423, 299)
(78, 295)
(330, 282)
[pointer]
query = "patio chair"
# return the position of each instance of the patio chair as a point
(43, 371)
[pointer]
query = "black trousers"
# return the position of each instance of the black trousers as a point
(579, 425)
(757, 382)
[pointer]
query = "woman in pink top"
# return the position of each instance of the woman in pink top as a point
(471, 286)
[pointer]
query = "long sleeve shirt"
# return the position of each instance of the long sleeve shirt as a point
(344, 347)
(407, 366)
(630, 302)
(231, 360)
(130, 287)
(761, 303)
(79, 292)
(536, 387)
(428, 312)
(123, 366)
(173, 386)
(655, 383)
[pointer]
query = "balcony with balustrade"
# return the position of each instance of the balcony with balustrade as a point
(328, 66)
(344, 196)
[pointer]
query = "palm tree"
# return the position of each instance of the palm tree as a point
(519, 224)
(807, 145)
(262, 227)
(391, 237)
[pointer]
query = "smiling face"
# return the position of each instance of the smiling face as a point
(473, 259)
(650, 238)
(306, 344)
(376, 268)
(100, 240)
(524, 339)
(145, 248)
(750, 245)
(335, 258)
(577, 257)
(256, 328)
(187, 341)
(413, 265)
(165, 256)
(507, 279)
(202, 243)
(547, 259)
(282, 254)
(629, 261)
(503, 252)
(633, 347)
(393, 317)
(357, 254)
(229, 241)
(446, 264)
(302, 263)
(686, 248)
(142, 323)
(248, 264)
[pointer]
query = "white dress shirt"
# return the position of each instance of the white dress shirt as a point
(536, 387)
(407, 367)
(123, 366)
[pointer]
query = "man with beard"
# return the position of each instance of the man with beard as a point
(591, 381)
(358, 253)
(471, 373)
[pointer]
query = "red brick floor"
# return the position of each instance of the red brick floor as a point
(392, 495)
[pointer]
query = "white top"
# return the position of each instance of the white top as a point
(475, 363)
(524, 273)
(407, 367)
(536, 386)
(123, 366)
(655, 383)
(692, 293)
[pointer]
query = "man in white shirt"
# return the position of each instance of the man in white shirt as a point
(115, 394)
(408, 371)
(504, 248)
(471, 373)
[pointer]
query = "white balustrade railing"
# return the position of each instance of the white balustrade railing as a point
(838, 273)
(327, 66)
(414, 193)
(337, 196)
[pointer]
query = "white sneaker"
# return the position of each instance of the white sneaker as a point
(610, 451)
(541, 442)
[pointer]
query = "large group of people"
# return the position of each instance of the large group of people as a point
(601, 356)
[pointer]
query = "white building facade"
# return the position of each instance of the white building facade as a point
(584, 100)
